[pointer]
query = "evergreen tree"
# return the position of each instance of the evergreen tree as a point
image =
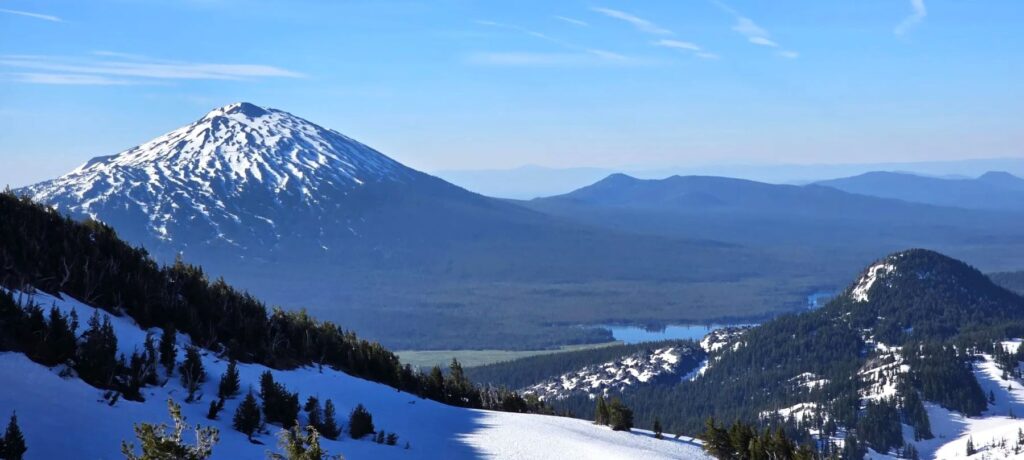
(279, 405)
(601, 412)
(716, 440)
(620, 417)
(168, 349)
(247, 416)
(657, 429)
(360, 422)
(152, 357)
(157, 443)
(392, 439)
(330, 422)
(314, 417)
(192, 372)
(215, 407)
(229, 382)
(12, 447)
(97, 360)
(970, 447)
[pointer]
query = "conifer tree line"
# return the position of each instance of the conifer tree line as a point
(743, 442)
(42, 249)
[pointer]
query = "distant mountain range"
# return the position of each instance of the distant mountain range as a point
(528, 182)
(846, 226)
(992, 190)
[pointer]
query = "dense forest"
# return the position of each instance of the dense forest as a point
(42, 249)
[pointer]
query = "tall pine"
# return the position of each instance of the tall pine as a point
(168, 349)
(13, 445)
(247, 416)
(229, 382)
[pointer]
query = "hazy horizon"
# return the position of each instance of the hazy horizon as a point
(470, 86)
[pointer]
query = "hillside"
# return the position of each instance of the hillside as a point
(303, 216)
(92, 427)
(92, 379)
(993, 190)
(834, 372)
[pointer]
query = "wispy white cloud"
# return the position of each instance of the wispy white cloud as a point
(754, 33)
(763, 42)
(118, 68)
(588, 58)
(916, 17)
(638, 22)
(576, 55)
(685, 46)
(29, 14)
(68, 79)
(681, 45)
(573, 21)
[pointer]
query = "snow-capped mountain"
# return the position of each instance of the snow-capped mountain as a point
(662, 365)
(241, 175)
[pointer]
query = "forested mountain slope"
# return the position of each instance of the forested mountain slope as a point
(844, 372)
(166, 332)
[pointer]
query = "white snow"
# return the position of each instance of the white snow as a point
(90, 428)
(863, 286)
(613, 376)
(237, 167)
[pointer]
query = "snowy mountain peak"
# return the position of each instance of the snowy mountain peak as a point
(234, 173)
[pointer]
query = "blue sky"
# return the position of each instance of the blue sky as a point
(459, 84)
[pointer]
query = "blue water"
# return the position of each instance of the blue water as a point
(637, 334)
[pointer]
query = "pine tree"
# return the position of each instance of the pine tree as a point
(314, 417)
(970, 447)
(392, 439)
(330, 422)
(168, 349)
(192, 372)
(157, 443)
(215, 407)
(360, 422)
(229, 382)
(12, 447)
(247, 416)
(97, 360)
(601, 412)
(657, 429)
(620, 417)
(152, 357)
(279, 405)
(297, 445)
(379, 438)
(716, 440)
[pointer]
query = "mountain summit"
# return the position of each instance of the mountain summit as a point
(235, 176)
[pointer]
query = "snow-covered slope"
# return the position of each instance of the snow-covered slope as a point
(65, 418)
(238, 176)
(645, 367)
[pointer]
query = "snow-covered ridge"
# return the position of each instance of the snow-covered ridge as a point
(859, 293)
(90, 427)
(644, 367)
(237, 166)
